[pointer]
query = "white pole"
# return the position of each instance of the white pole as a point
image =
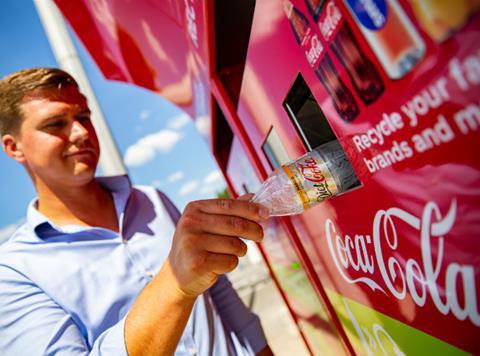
(69, 60)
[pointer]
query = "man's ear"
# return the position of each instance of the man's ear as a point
(13, 148)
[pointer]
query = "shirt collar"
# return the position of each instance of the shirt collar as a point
(119, 186)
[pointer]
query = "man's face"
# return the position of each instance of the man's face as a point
(57, 141)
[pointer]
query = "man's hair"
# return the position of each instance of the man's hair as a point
(16, 86)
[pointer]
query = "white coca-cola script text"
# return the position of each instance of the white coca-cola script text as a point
(361, 255)
(330, 21)
(314, 52)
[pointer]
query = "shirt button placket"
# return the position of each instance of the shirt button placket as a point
(145, 272)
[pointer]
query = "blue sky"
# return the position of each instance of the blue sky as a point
(182, 165)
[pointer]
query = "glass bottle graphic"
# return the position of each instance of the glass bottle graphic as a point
(342, 99)
(338, 34)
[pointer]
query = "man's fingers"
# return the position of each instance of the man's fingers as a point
(227, 225)
(246, 197)
(226, 245)
(240, 208)
(220, 264)
(207, 243)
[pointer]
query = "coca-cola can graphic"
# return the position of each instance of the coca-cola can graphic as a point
(390, 34)
(343, 100)
(363, 74)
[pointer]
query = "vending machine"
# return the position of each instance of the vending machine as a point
(391, 265)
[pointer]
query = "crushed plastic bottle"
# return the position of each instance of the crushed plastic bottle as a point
(307, 181)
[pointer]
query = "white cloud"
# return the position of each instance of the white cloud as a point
(212, 183)
(7, 231)
(188, 188)
(179, 121)
(138, 155)
(145, 114)
(213, 177)
(145, 149)
(203, 125)
(175, 177)
(208, 190)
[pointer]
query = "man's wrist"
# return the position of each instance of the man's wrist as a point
(171, 287)
(160, 301)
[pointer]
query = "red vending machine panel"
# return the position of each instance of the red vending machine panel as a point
(392, 264)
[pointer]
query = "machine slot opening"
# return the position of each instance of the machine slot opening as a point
(310, 121)
(274, 150)
(222, 137)
(233, 22)
(306, 115)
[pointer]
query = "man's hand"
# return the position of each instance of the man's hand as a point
(206, 242)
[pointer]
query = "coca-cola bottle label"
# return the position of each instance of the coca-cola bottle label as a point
(372, 14)
(330, 21)
(313, 51)
(311, 178)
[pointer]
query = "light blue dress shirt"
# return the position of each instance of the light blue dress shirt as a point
(67, 290)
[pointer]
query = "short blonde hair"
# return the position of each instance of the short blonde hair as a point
(15, 86)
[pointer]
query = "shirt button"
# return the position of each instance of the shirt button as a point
(192, 351)
(125, 241)
(150, 274)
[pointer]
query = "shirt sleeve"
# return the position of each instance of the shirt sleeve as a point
(31, 323)
(237, 316)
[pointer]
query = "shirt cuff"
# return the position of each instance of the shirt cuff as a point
(252, 334)
(111, 341)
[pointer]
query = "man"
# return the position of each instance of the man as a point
(99, 267)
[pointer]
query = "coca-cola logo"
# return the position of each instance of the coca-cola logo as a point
(330, 21)
(374, 336)
(311, 171)
(315, 50)
(373, 259)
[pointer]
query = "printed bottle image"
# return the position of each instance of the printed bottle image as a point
(441, 18)
(307, 181)
(342, 98)
(337, 33)
(298, 22)
(390, 34)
